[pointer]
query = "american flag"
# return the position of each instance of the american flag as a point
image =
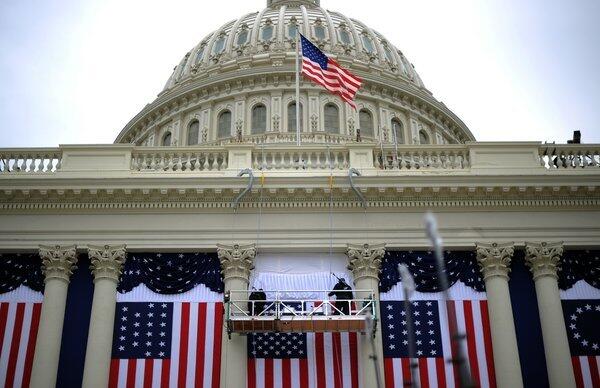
(328, 73)
(18, 332)
(581, 318)
(432, 321)
(159, 344)
(291, 360)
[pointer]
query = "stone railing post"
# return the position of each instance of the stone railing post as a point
(543, 260)
(365, 264)
(494, 260)
(58, 263)
(107, 263)
(236, 263)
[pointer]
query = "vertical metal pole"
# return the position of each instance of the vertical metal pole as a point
(298, 141)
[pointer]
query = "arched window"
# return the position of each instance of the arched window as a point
(219, 45)
(367, 43)
(366, 123)
(166, 140)
(398, 130)
(242, 37)
(224, 125)
(292, 117)
(193, 133)
(423, 137)
(199, 55)
(320, 32)
(345, 37)
(259, 119)
(292, 31)
(267, 32)
(332, 118)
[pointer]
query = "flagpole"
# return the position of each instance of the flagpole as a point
(298, 141)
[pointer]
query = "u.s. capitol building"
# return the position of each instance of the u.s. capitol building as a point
(205, 191)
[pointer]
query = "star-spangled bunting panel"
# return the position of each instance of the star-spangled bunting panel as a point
(579, 265)
(459, 266)
(20, 269)
(171, 273)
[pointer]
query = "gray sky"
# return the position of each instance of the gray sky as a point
(76, 71)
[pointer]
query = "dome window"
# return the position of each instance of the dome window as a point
(242, 37)
(193, 133)
(219, 45)
(292, 31)
(368, 43)
(292, 117)
(320, 32)
(166, 140)
(366, 123)
(423, 137)
(199, 55)
(397, 131)
(259, 119)
(345, 37)
(388, 54)
(224, 125)
(332, 118)
(267, 31)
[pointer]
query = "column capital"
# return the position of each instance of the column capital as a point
(107, 261)
(494, 259)
(236, 260)
(58, 262)
(365, 260)
(543, 258)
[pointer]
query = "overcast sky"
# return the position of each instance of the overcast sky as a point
(76, 71)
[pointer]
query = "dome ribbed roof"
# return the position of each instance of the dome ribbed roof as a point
(272, 31)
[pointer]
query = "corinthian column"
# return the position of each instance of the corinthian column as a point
(107, 263)
(365, 263)
(543, 260)
(236, 263)
(58, 264)
(494, 260)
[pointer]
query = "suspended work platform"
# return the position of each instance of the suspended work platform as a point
(283, 312)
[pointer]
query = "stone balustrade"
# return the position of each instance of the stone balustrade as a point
(439, 157)
(30, 160)
(179, 159)
(288, 138)
(474, 157)
(570, 156)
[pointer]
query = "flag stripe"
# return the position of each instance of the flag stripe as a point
(14, 346)
(489, 356)
(440, 368)
(452, 328)
(183, 347)
(593, 362)
(337, 362)
(200, 345)
(353, 344)
(217, 338)
(22, 345)
(148, 373)
(113, 376)
(472, 348)
(33, 331)
(304, 373)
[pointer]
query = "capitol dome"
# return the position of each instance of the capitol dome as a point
(239, 81)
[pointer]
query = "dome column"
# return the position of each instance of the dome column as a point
(543, 260)
(58, 263)
(494, 260)
(236, 263)
(107, 263)
(365, 263)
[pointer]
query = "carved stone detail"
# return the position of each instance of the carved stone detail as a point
(543, 258)
(107, 261)
(365, 260)
(236, 260)
(58, 262)
(494, 259)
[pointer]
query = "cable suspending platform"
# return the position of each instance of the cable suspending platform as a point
(298, 315)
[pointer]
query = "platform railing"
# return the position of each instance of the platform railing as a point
(30, 160)
(569, 156)
(422, 157)
(279, 305)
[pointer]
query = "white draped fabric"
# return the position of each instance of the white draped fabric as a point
(580, 290)
(141, 293)
(299, 272)
(459, 291)
(22, 294)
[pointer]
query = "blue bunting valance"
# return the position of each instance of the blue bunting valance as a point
(20, 270)
(171, 273)
(459, 266)
(579, 265)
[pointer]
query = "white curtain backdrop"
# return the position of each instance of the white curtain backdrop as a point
(299, 272)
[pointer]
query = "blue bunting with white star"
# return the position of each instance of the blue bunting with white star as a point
(171, 273)
(579, 265)
(459, 266)
(20, 270)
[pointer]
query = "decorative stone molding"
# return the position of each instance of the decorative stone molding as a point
(494, 259)
(107, 261)
(236, 260)
(58, 262)
(365, 260)
(543, 258)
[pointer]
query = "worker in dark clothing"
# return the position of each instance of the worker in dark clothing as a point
(257, 307)
(343, 294)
